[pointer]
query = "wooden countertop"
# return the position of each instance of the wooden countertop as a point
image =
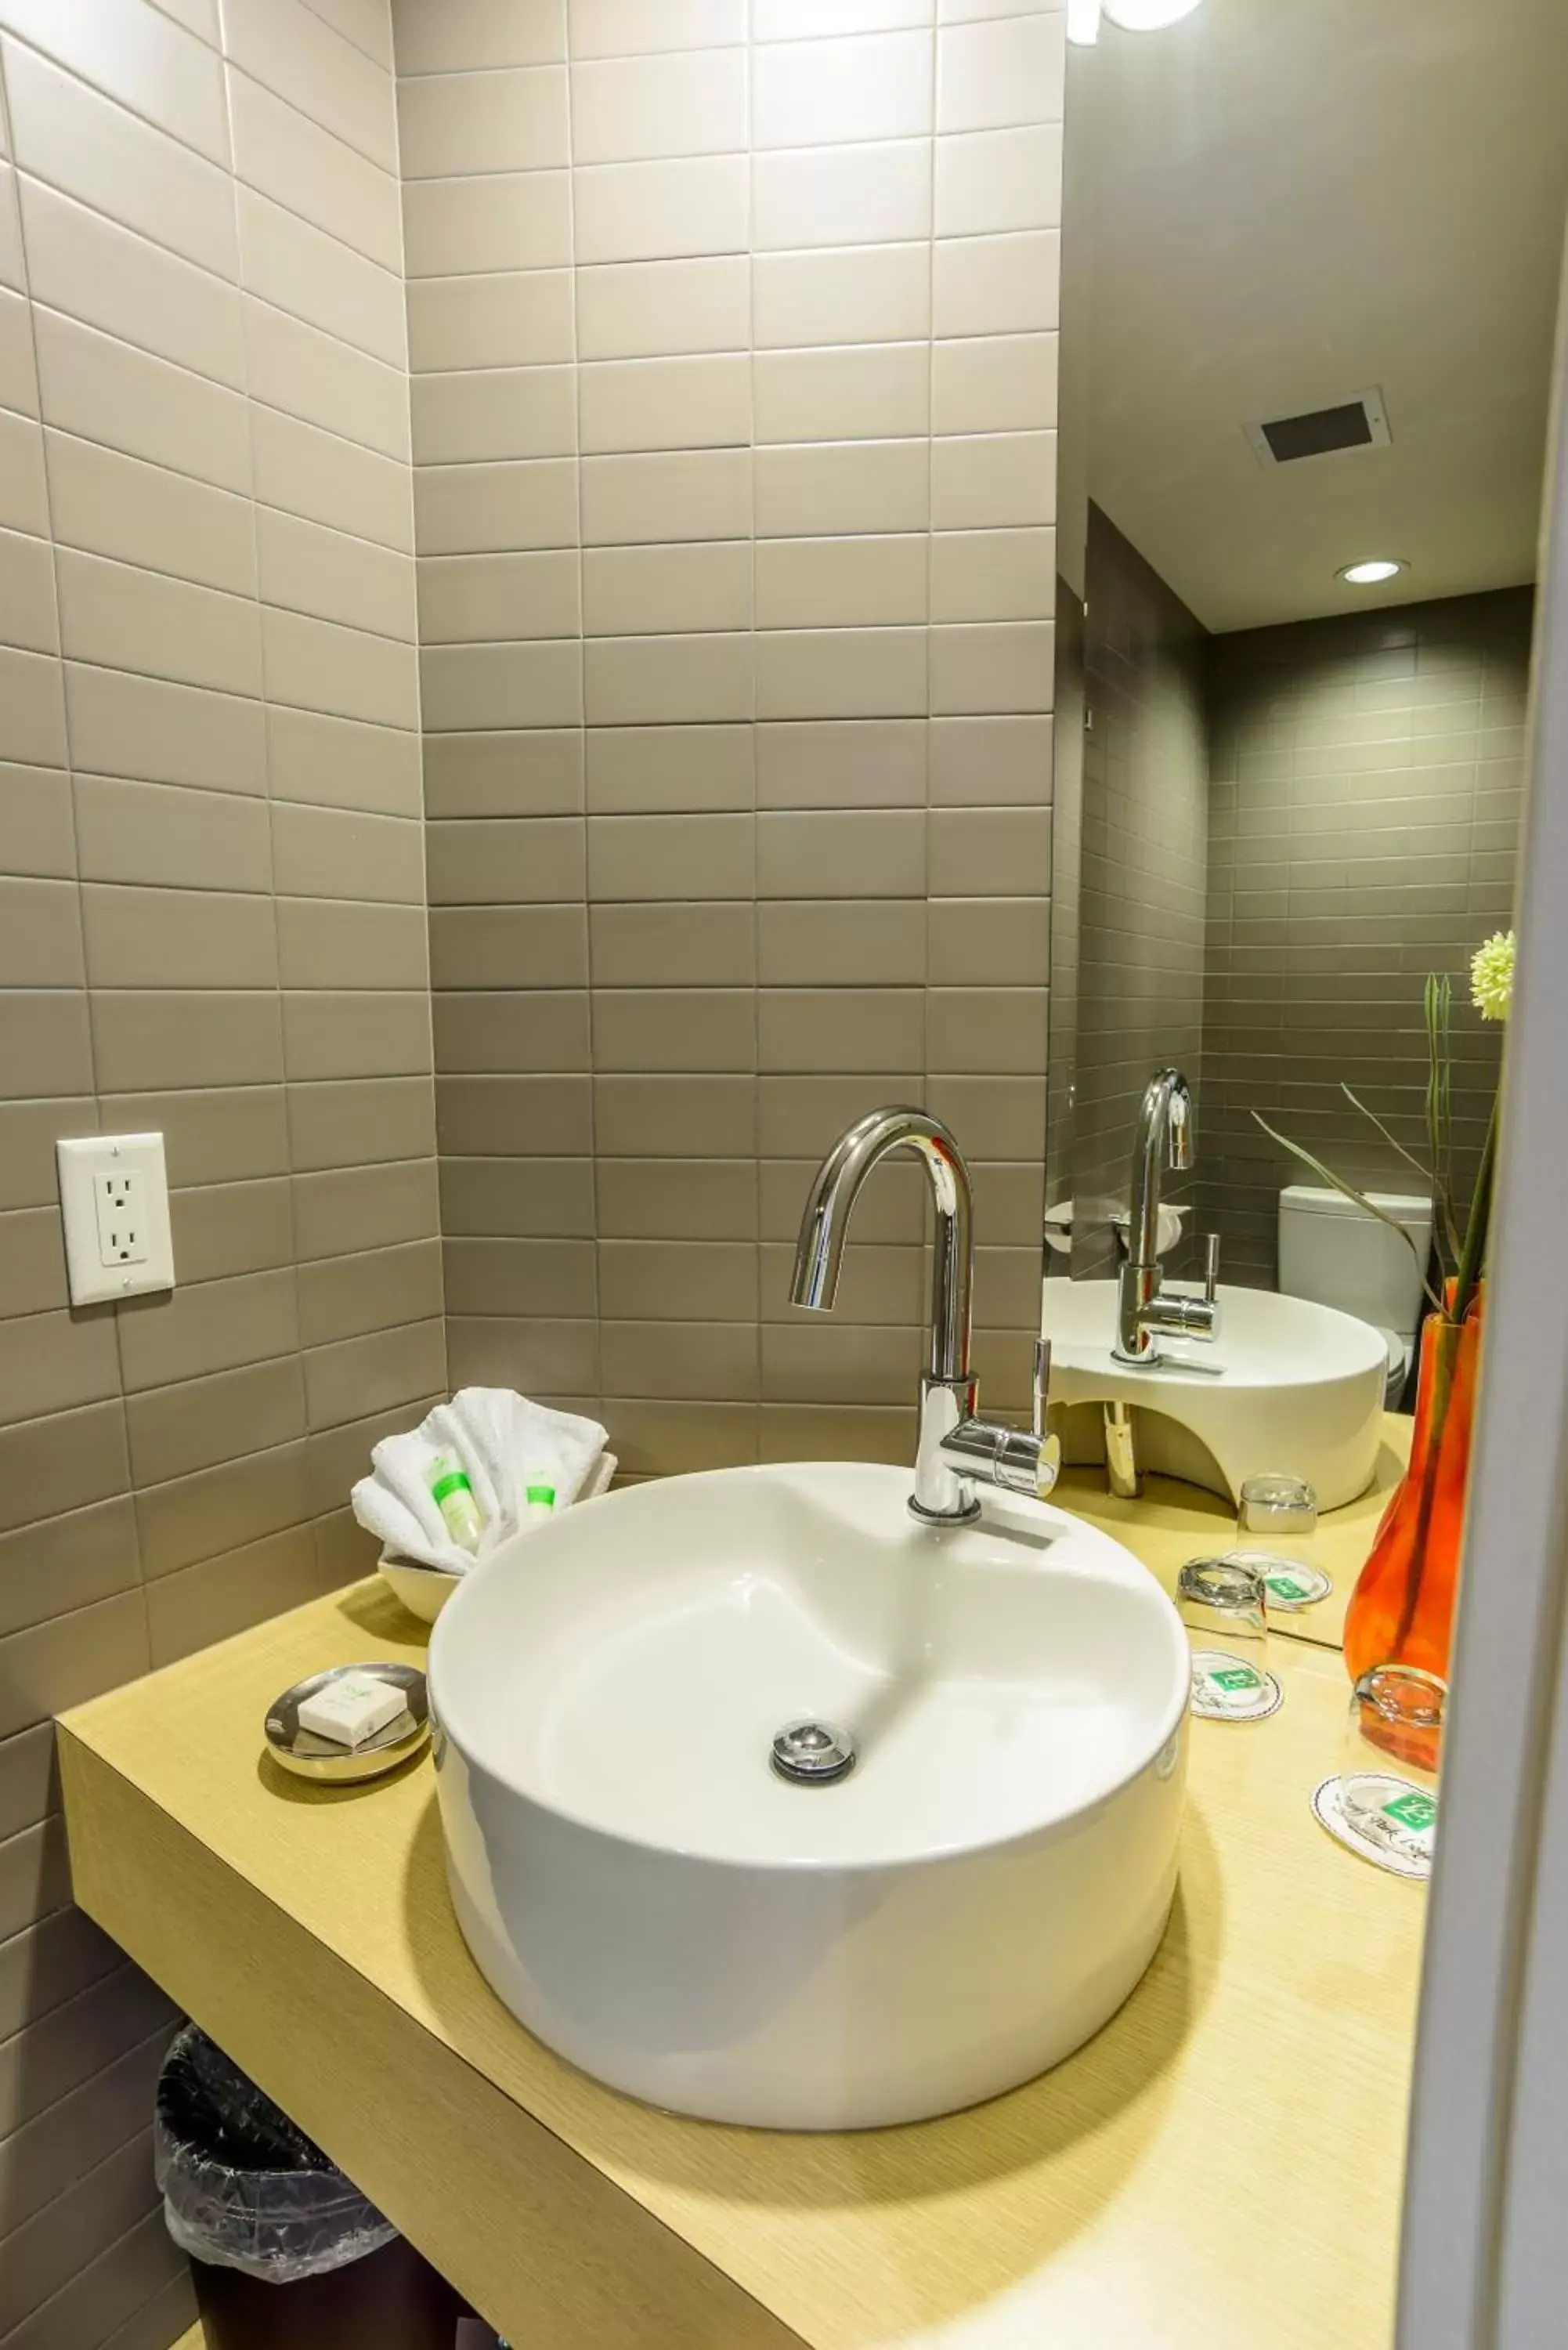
(1219, 2169)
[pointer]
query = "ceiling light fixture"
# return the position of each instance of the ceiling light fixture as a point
(1084, 21)
(1371, 574)
(1147, 15)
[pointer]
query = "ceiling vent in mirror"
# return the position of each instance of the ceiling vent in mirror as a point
(1359, 422)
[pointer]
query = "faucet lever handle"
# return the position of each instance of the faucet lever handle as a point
(1041, 1390)
(1210, 1266)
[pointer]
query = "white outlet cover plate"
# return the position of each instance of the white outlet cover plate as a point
(81, 1163)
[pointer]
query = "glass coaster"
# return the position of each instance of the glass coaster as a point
(1289, 1583)
(1227, 1688)
(1381, 1818)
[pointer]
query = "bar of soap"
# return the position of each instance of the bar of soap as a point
(351, 1709)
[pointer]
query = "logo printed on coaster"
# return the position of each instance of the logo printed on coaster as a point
(1382, 1818)
(1288, 1584)
(1227, 1688)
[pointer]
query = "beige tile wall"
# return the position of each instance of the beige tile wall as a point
(734, 340)
(1369, 781)
(733, 413)
(211, 920)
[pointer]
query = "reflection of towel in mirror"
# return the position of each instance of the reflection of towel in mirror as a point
(505, 1442)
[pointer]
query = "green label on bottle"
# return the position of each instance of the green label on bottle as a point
(457, 1482)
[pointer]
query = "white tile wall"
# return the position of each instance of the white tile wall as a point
(704, 401)
(837, 195)
(616, 28)
(660, 309)
(662, 211)
(816, 93)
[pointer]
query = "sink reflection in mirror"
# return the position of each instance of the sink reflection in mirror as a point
(1287, 1385)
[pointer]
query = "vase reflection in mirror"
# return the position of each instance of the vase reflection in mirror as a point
(1402, 1610)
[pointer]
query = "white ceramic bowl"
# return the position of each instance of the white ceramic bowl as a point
(964, 1909)
(423, 1590)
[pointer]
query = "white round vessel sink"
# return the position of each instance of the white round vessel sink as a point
(963, 1907)
(1288, 1385)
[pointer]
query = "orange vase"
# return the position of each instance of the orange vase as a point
(1402, 1609)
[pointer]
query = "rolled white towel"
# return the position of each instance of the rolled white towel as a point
(505, 1443)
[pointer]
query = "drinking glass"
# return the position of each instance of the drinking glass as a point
(1276, 1531)
(1224, 1604)
(1390, 1764)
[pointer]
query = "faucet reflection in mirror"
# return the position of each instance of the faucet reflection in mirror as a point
(1165, 1137)
(1402, 1610)
(955, 1448)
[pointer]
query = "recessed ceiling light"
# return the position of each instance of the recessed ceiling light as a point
(1084, 21)
(1147, 15)
(1371, 574)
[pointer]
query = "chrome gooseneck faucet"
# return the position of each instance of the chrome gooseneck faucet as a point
(955, 1449)
(1165, 1137)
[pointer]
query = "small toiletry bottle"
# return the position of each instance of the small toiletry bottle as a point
(454, 1497)
(538, 1497)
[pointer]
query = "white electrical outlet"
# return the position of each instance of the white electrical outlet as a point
(114, 1199)
(121, 1218)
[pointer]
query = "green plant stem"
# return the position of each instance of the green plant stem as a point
(1473, 1255)
(1438, 1002)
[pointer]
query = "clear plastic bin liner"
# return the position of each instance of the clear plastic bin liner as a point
(243, 2187)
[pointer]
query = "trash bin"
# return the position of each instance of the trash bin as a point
(286, 2252)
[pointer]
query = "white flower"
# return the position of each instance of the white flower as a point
(1491, 976)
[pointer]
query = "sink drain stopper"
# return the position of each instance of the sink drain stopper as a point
(813, 1753)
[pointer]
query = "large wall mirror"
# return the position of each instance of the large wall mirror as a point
(1311, 263)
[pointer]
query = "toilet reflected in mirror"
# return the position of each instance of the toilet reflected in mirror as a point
(1333, 1251)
